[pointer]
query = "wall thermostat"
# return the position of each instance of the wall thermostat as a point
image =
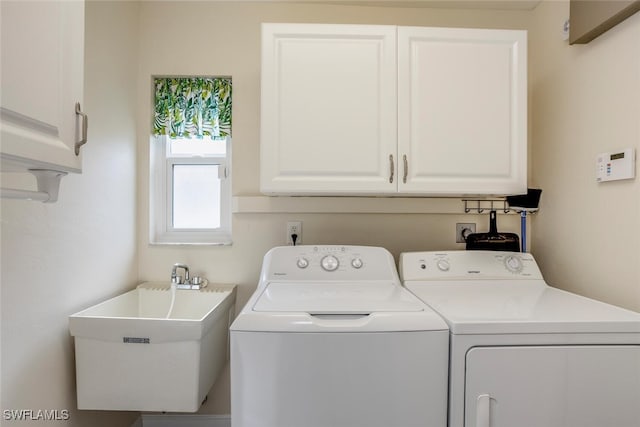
(616, 165)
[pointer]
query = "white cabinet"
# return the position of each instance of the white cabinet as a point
(462, 110)
(42, 80)
(328, 109)
(351, 109)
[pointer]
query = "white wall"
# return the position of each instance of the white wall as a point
(586, 100)
(224, 39)
(60, 258)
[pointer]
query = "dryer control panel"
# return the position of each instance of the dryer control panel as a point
(468, 265)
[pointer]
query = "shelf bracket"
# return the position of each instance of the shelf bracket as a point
(48, 186)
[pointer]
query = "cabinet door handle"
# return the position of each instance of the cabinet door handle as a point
(393, 171)
(406, 168)
(483, 410)
(85, 126)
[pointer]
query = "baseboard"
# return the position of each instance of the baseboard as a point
(183, 420)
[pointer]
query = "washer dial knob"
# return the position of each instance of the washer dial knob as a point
(330, 263)
(356, 263)
(513, 264)
(302, 263)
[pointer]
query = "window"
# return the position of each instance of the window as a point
(191, 162)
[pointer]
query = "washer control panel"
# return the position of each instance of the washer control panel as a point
(468, 265)
(329, 262)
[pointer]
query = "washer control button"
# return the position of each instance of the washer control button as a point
(302, 263)
(356, 263)
(513, 263)
(330, 263)
(443, 265)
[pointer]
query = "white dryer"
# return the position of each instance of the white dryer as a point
(524, 354)
(330, 338)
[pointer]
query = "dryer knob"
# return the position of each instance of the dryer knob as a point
(356, 263)
(443, 265)
(302, 263)
(330, 263)
(513, 264)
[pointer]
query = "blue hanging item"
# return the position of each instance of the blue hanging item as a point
(525, 203)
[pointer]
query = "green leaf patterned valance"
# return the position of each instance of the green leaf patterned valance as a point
(192, 107)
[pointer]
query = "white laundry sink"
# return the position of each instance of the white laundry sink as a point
(130, 357)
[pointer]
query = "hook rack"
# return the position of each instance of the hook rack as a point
(482, 205)
(485, 204)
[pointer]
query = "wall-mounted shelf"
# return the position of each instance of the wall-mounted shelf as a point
(373, 205)
(589, 19)
(368, 205)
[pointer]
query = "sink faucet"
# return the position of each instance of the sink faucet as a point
(175, 278)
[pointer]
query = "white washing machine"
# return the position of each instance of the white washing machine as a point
(524, 354)
(330, 338)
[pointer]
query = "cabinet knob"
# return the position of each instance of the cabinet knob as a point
(85, 126)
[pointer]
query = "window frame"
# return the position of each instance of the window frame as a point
(161, 230)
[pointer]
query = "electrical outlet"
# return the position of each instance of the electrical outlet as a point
(294, 227)
(463, 230)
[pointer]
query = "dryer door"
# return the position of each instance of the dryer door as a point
(553, 386)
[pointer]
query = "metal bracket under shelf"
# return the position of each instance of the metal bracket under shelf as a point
(48, 186)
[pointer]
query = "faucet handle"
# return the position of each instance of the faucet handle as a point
(199, 282)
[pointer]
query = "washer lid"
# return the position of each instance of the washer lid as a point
(503, 307)
(337, 298)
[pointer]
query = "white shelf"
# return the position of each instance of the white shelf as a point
(379, 205)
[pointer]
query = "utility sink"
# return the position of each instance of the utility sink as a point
(131, 357)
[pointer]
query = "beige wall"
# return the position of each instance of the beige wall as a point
(224, 39)
(57, 259)
(60, 258)
(585, 100)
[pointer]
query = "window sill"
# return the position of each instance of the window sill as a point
(191, 238)
(229, 243)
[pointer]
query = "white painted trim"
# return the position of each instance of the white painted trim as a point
(184, 420)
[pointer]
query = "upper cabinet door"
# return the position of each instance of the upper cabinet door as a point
(42, 80)
(329, 123)
(462, 111)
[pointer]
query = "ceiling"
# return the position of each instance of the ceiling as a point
(447, 4)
